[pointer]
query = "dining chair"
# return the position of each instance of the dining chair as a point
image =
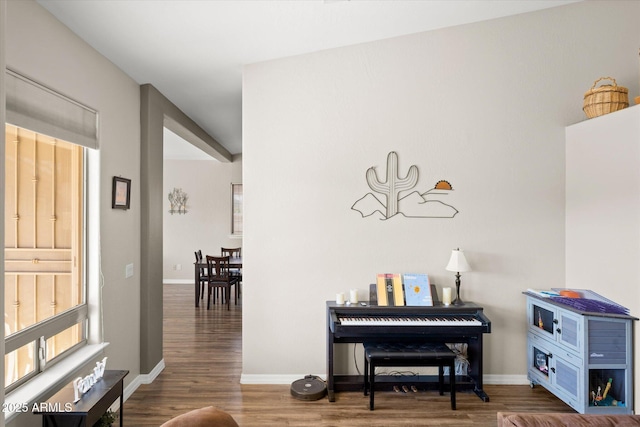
(203, 273)
(204, 276)
(219, 278)
(235, 272)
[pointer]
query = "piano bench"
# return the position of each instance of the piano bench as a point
(397, 354)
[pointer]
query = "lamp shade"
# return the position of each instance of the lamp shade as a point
(458, 262)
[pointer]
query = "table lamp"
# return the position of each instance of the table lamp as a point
(458, 263)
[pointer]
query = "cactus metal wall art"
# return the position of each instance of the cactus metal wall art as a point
(393, 185)
(412, 205)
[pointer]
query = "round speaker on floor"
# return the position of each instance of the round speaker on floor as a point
(309, 388)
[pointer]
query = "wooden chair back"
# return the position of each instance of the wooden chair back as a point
(218, 269)
(231, 252)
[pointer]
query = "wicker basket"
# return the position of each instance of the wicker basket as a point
(605, 99)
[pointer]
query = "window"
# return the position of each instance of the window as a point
(45, 294)
(51, 235)
(236, 209)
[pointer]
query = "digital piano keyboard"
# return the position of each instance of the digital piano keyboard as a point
(364, 323)
(415, 320)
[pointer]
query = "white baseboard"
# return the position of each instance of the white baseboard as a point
(288, 379)
(150, 377)
(272, 379)
(177, 281)
(142, 379)
(506, 380)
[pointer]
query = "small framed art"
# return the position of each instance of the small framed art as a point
(121, 196)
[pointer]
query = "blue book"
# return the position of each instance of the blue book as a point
(417, 290)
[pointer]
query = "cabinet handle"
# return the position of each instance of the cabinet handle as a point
(553, 370)
(550, 356)
(558, 331)
(555, 321)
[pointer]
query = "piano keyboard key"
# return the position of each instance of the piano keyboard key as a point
(408, 321)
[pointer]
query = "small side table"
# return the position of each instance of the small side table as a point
(88, 410)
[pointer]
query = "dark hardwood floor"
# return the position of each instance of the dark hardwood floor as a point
(202, 355)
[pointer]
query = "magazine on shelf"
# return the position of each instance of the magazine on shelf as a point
(417, 290)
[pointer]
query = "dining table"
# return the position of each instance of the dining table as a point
(234, 262)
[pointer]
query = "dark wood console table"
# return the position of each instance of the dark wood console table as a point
(88, 410)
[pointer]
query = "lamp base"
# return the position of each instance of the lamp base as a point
(457, 301)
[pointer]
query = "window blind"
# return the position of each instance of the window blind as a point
(42, 110)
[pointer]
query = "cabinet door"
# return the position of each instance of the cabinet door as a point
(569, 331)
(542, 318)
(567, 378)
(539, 356)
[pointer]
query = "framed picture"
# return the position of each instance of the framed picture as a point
(236, 209)
(121, 196)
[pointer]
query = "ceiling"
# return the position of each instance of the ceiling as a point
(193, 51)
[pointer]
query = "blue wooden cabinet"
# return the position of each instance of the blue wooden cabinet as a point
(584, 358)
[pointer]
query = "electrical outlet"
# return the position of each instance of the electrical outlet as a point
(128, 271)
(178, 266)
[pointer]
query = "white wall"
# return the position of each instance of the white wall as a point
(603, 210)
(603, 205)
(482, 106)
(40, 47)
(207, 225)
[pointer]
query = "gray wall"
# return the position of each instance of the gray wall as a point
(40, 47)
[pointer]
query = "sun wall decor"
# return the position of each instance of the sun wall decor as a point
(396, 200)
